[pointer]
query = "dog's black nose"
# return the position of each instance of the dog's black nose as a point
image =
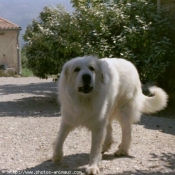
(86, 79)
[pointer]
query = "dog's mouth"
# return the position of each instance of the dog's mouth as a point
(85, 89)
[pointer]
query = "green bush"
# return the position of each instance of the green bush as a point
(26, 72)
(51, 40)
(134, 31)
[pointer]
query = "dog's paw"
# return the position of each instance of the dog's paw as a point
(107, 146)
(92, 170)
(57, 157)
(121, 152)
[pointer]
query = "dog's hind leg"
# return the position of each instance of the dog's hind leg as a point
(125, 121)
(108, 140)
(58, 144)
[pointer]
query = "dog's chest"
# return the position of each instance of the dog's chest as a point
(83, 109)
(82, 116)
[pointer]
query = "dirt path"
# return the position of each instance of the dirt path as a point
(29, 121)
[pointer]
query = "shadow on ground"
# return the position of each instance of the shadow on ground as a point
(76, 163)
(158, 123)
(35, 99)
(34, 88)
(69, 164)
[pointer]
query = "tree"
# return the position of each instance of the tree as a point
(129, 29)
(51, 39)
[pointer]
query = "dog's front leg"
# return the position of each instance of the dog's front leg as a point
(58, 145)
(98, 135)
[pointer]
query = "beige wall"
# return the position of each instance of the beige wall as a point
(8, 48)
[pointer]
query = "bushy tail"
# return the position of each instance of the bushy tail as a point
(155, 103)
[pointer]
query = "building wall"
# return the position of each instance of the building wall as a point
(8, 48)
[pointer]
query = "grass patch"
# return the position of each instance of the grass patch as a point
(27, 72)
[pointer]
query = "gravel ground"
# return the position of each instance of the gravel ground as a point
(29, 121)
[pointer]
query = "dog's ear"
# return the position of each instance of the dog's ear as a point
(100, 68)
(66, 71)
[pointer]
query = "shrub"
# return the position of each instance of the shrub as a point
(26, 72)
(134, 31)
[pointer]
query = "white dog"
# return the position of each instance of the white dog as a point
(92, 93)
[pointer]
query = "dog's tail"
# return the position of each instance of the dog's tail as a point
(156, 102)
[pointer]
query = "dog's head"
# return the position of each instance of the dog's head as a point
(83, 73)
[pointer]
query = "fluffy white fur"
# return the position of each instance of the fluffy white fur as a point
(111, 90)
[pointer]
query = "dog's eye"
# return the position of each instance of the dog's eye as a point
(91, 68)
(77, 69)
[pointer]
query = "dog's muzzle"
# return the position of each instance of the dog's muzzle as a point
(86, 88)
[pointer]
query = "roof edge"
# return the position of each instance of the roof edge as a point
(6, 24)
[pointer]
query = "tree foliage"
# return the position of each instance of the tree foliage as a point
(51, 39)
(133, 30)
